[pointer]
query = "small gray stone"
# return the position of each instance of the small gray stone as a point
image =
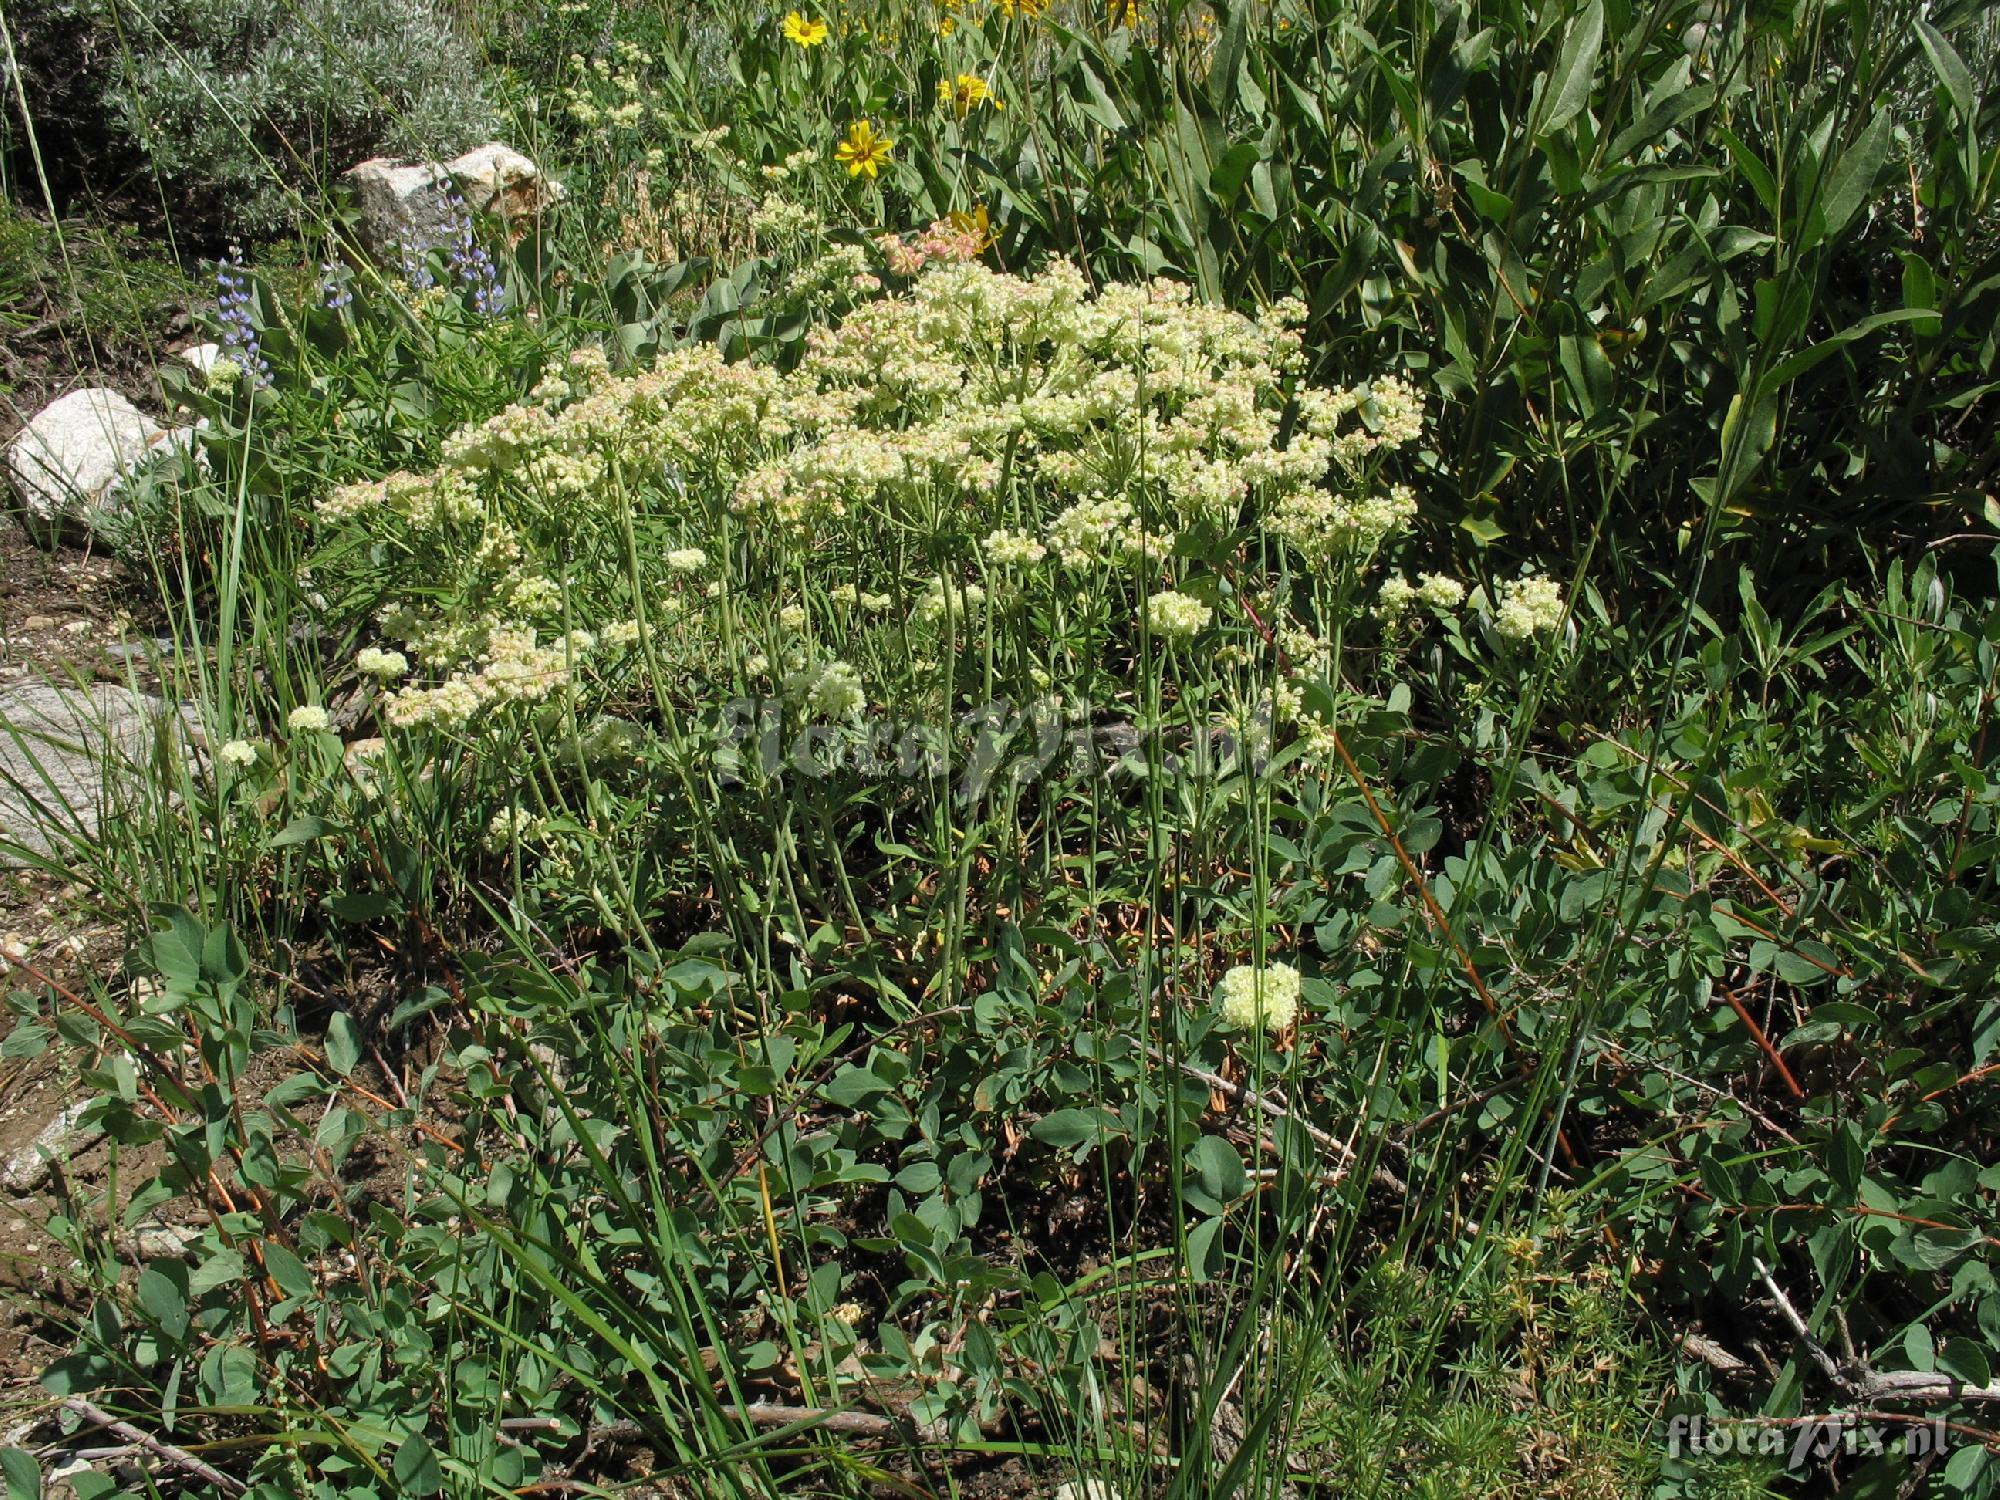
(60, 1140)
(71, 463)
(68, 756)
(141, 652)
(401, 203)
(157, 1240)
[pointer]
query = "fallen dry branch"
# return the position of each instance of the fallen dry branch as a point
(180, 1458)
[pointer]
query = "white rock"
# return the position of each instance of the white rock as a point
(408, 203)
(68, 757)
(72, 462)
(200, 357)
(497, 179)
(60, 1139)
(1087, 1488)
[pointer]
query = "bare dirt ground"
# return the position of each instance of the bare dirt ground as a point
(63, 616)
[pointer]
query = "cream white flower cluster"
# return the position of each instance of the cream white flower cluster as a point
(510, 664)
(1527, 606)
(1250, 997)
(830, 691)
(1151, 408)
(620, 98)
(421, 502)
(386, 666)
(1433, 590)
(1176, 616)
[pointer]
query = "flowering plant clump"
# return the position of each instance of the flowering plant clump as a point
(1010, 457)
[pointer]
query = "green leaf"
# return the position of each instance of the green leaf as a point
(176, 949)
(301, 830)
(287, 1270)
(343, 1043)
(1950, 69)
(1067, 1127)
(1917, 1346)
(1790, 369)
(1569, 85)
(1201, 1248)
(919, 1178)
(1965, 1359)
(1482, 529)
(164, 1302)
(362, 906)
(1762, 182)
(23, 1474)
(853, 1086)
(1225, 70)
(25, 1040)
(693, 976)
(1218, 1168)
(75, 1374)
(1852, 180)
(1796, 968)
(1966, 1465)
(416, 1467)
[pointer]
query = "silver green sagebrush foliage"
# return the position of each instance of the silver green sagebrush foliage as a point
(242, 107)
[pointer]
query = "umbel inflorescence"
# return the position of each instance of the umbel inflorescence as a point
(948, 462)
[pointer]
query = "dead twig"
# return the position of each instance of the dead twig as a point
(180, 1458)
(1868, 1387)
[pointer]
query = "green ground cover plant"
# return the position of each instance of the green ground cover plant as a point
(1187, 750)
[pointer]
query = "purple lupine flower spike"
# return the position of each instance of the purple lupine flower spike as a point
(239, 331)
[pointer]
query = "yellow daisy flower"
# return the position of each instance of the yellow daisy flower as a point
(806, 33)
(863, 150)
(978, 222)
(965, 92)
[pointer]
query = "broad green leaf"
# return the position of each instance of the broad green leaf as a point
(164, 1302)
(1966, 1360)
(1950, 69)
(1218, 1168)
(416, 1467)
(23, 1474)
(1067, 1127)
(301, 830)
(343, 1043)
(287, 1270)
(1918, 1348)
(1201, 1248)
(1851, 182)
(1568, 88)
